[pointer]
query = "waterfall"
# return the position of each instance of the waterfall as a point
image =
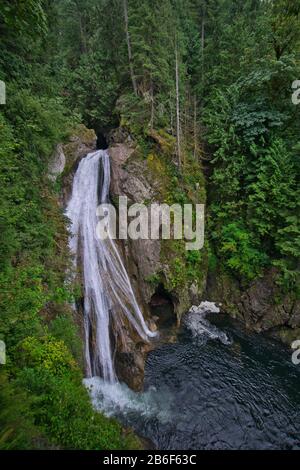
(109, 301)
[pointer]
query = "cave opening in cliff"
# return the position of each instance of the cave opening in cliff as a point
(162, 307)
(101, 141)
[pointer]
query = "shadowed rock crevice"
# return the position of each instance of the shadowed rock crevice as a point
(102, 143)
(162, 308)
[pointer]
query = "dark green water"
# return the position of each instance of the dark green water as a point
(203, 394)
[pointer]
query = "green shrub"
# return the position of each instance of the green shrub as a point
(63, 411)
(21, 299)
(240, 253)
(63, 327)
(17, 429)
(46, 353)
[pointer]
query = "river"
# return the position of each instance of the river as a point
(224, 388)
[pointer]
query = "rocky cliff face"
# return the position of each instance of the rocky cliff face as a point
(260, 306)
(166, 279)
(128, 179)
(144, 178)
(67, 156)
(163, 278)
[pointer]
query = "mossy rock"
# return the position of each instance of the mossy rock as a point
(288, 335)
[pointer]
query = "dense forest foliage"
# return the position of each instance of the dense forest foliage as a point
(217, 76)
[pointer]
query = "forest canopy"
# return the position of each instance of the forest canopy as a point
(216, 76)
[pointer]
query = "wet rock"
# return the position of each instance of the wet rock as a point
(80, 143)
(141, 177)
(142, 257)
(194, 293)
(257, 306)
(286, 335)
(119, 135)
(294, 320)
(130, 361)
(127, 179)
(152, 325)
(130, 177)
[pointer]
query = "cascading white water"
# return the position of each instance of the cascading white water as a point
(108, 294)
(195, 321)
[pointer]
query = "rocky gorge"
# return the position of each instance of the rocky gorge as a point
(166, 283)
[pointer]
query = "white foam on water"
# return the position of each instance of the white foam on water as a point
(117, 399)
(195, 321)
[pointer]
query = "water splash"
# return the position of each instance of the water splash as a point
(195, 321)
(109, 301)
(118, 400)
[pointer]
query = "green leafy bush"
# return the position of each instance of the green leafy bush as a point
(17, 429)
(63, 412)
(63, 327)
(46, 353)
(239, 252)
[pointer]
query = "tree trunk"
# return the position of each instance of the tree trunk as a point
(129, 48)
(171, 113)
(202, 35)
(195, 127)
(177, 109)
(152, 106)
(82, 37)
(202, 39)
